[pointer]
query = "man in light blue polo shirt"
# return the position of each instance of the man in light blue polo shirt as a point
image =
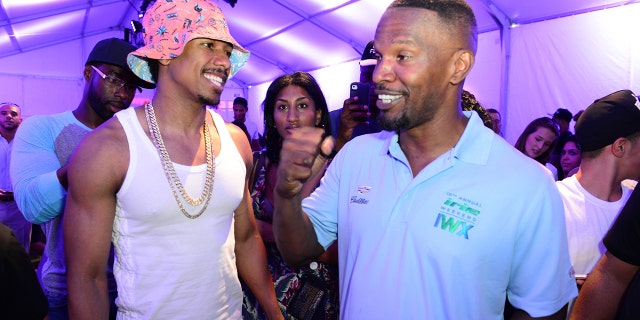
(437, 217)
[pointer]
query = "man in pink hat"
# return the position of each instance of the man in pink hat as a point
(169, 185)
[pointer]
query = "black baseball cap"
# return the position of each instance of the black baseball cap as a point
(368, 56)
(563, 114)
(611, 117)
(114, 51)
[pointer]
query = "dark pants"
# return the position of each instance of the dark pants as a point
(58, 306)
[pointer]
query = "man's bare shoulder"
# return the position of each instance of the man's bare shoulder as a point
(105, 147)
(108, 135)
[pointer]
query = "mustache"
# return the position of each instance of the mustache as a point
(381, 87)
(221, 71)
(120, 104)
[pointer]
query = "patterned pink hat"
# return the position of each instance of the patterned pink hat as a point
(170, 24)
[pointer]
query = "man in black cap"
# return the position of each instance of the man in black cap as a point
(42, 148)
(354, 118)
(608, 135)
(563, 118)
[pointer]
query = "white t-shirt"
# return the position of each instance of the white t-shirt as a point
(588, 219)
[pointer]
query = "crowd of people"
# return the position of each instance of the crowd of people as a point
(400, 208)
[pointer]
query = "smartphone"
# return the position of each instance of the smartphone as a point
(361, 90)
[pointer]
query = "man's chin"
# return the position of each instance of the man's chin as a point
(209, 101)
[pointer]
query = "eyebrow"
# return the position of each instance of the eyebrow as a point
(295, 100)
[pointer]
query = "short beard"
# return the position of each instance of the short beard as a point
(393, 124)
(209, 101)
(98, 105)
(406, 120)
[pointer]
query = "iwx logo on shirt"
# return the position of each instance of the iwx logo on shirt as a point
(458, 215)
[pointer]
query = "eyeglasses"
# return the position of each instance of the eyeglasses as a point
(117, 82)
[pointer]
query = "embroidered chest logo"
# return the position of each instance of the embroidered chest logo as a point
(458, 215)
(362, 190)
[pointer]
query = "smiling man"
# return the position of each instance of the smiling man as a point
(41, 152)
(168, 185)
(439, 231)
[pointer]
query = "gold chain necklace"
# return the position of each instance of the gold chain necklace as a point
(170, 172)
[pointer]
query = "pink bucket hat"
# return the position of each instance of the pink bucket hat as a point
(170, 24)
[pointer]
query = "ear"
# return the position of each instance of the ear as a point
(86, 73)
(463, 61)
(318, 117)
(620, 146)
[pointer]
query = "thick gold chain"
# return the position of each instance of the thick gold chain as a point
(170, 172)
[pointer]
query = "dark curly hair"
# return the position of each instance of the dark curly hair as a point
(470, 103)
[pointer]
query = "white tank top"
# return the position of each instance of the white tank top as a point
(168, 266)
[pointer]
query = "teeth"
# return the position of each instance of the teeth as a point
(388, 98)
(214, 79)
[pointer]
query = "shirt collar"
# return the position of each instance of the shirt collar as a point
(475, 143)
(473, 146)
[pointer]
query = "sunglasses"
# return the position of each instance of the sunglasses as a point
(117, 82)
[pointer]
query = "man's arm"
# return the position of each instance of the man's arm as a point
(33, 167)
(541, 290)
(302, 157)
(603, 290)
(95, 174)
(251, 258)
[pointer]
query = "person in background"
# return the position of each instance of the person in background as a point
(563, 118)
(470, 103)
(537, 140)
(570, 157)
(421, 233)
(293, 101)
(355, 119)
(21, 297)
(41, 152)
(497, 120)
(612, 290)
(608, 133)
(10, 215)
(168, 185)
(240, 109)
(575, 119)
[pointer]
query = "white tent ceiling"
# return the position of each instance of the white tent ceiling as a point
(282, 35)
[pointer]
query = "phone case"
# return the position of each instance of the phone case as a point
(361, 90)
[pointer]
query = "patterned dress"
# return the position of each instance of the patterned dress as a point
(298, 289)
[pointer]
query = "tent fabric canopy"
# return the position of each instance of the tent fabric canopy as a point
(533, 56)
(282, 35)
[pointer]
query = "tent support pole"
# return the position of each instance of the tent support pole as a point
(505, 23)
